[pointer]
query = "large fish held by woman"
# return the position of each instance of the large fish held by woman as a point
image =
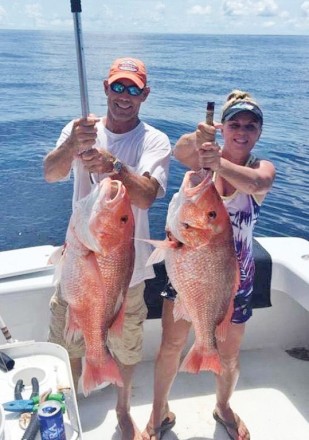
(94, 272)
(202, 266)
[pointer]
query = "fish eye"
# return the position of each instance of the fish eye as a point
(212, 214)
(124, 219)
(186, 225)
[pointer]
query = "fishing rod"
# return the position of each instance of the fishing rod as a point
(76, 10)
(5, 331)
(6, 362)
(210, 110)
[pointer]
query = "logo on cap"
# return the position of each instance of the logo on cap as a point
(128, 65)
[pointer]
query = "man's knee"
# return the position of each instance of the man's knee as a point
(58, 309)
(128, 347)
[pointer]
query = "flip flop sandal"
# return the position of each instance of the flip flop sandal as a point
(228, 425)
(167, 424)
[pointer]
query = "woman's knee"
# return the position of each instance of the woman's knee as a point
(173, 343)
(230, 363)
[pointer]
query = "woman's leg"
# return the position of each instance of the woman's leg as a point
(226, 383)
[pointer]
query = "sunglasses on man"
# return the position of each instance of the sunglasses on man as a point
(118, 87)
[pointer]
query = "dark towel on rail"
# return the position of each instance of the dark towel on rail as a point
(153, 289)
(261, 286)
(262, 278)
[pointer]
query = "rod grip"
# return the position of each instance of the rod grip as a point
(210, 113)
(76, 6)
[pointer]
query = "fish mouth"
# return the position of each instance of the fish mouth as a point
(196, 182)
(173, 239)
(113, 190)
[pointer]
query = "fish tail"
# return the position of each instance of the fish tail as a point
(94, 374)
(199, 360)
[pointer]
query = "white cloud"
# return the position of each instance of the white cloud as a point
(268, 24)
(160, 7)
(264, 8)
(200, 10)
(234, 7)
(157, 15)
(3, 15)
(305, 9)
(34, 12)
(284, 15)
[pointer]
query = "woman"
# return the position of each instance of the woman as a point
(243, 181)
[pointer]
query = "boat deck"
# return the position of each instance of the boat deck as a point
(272, 397)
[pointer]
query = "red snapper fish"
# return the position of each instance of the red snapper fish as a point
(202, 266)
(95, 272)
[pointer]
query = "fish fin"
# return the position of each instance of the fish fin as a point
(57, 259)
(179, 311)
(117, 325)
(162, 244)
(95, 373)
(237, 278)
(72, 330)
(161, 247)
(55, 256)
(57, 273)
(156, 256)
(199, 360)
(222, 327)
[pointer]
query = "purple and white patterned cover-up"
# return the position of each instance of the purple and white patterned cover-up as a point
(244, 211)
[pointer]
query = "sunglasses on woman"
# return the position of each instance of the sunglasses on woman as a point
(118, 87)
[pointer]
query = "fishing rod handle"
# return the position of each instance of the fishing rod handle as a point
(76, 6)
(210, 109)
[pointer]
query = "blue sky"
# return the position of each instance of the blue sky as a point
(280, 17)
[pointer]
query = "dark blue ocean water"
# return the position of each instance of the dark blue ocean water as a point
(39, 93)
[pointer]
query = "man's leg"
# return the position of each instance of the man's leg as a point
(76, 368)
(226, 383)
(127, 351)
(127, 426)
(174, 337)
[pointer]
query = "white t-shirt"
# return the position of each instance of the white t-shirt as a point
(143, 149)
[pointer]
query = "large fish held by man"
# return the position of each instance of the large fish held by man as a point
(202, 266)
(94, 272)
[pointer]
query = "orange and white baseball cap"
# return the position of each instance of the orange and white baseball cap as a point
(130, 68)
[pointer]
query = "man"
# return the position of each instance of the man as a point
(138, 155)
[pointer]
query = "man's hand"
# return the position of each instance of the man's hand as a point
(97, 160)
(84, 133)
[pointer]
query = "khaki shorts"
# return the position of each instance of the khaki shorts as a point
(127, 348)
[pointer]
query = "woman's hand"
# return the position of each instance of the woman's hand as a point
(209, 156)
(205, 133)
